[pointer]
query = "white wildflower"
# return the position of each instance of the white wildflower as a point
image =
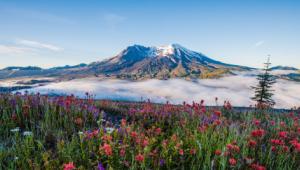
(17, 129)
(109, 130)
(27, 133)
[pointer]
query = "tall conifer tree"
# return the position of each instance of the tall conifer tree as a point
(263, 91)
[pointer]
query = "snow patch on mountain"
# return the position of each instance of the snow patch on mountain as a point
(164, 50)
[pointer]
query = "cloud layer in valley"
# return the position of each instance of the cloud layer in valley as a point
(236, 89)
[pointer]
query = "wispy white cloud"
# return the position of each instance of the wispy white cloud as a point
(113, 20)
(40, 45)
(23, 47)
(14, 50)
(259, 43)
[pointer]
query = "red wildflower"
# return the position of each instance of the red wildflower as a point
(137, 140)
(145, 142)
(232, 147)
(229, 146)
(157, 131)
(128, 129)
(256, 122)
(272, 122)
(258, 133)
(203, 109)
(181, 152)
(236, 148)
(218, 113)
(277, 142)
(139, 158)
(107, 138)
(283, 134)
(122, 152)
(217, 122)
(123, 122)
(295, 144)
(69, 166)
(133, 134)
(252, 143)
(92, 134)
(218, 152)
(107, 149)
(95, 132)
(257, 167)
(285, 148)
(232, 161)
(294, 141)
(202, 128)
(273, 148)
(297, 147)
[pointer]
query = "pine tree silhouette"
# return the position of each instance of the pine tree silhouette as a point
(263, 91)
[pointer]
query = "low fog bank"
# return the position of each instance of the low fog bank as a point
(236, 89)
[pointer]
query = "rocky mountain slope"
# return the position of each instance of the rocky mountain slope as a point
(139, 62)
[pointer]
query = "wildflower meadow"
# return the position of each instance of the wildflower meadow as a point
(44, 132)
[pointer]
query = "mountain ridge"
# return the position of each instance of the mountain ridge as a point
(162, 62)
(138, 62)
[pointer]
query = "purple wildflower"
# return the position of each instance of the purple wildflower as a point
(100, 166)
(162, 162)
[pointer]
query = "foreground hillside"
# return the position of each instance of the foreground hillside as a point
(40, 132)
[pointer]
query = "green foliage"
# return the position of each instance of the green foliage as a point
(62, 130)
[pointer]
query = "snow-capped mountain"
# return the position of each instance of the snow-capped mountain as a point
(140, 62)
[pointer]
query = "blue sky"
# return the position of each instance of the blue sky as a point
(57, 32)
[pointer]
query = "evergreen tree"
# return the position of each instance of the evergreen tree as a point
(263, 92)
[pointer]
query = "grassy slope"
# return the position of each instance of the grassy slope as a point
(166, 136)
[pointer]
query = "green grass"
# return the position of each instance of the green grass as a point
(54, 131)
